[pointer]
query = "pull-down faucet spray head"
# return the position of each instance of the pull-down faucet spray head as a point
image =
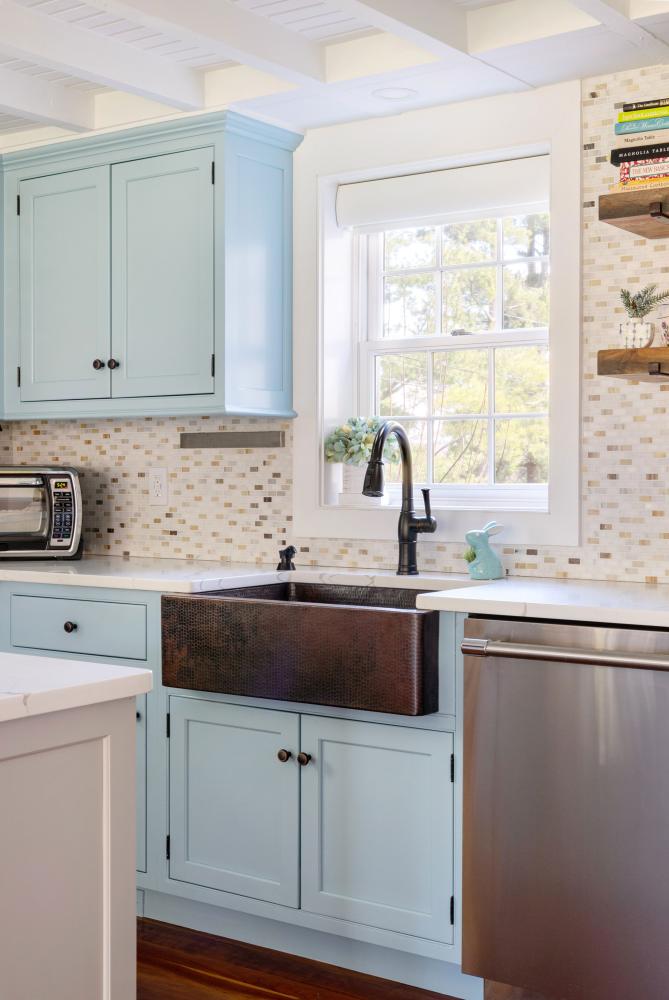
(373, 485)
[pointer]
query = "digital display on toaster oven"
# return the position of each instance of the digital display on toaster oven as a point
(60, 484)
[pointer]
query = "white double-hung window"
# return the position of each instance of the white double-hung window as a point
(453, 327)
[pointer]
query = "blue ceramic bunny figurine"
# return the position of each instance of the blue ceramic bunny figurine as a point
(487, 564)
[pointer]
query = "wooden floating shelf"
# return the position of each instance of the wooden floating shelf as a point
(642, 364)
(638, 212)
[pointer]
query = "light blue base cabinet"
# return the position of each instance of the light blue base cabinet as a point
(150, 272)
(352, 857)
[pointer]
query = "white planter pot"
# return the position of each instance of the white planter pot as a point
(636, 333)
(353, 477)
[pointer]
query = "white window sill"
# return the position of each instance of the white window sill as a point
(367, 522)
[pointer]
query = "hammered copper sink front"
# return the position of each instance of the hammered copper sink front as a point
(366, 648)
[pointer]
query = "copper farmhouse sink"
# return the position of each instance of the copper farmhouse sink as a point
(366, 648)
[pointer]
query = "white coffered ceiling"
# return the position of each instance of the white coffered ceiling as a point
(67, 65)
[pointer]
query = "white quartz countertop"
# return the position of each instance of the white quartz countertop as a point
(35, 685)
(567, 600)
(188, 576)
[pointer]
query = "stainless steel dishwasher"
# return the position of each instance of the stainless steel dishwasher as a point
(566, 809)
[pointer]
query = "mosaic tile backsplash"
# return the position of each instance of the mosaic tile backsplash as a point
(237, 504)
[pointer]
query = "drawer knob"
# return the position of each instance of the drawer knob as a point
(98, 364)
(303, 758)
(70, 627)
(284, 755)
(113, 363)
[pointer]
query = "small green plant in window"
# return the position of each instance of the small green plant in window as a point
(351, 443)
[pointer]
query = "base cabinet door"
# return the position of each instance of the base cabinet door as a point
(234, 805)
(377, 826)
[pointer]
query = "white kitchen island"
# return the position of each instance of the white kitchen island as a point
(67, 828)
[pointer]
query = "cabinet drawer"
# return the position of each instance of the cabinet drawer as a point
(101, 628)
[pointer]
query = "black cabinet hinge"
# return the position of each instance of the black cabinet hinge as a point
(453, 768)
(167, 850)
(167, 725)
(18, 376)
(452, 906)
(18, 204)
(213, 172)
(213, 365)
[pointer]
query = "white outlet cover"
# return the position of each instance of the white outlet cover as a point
(158, 489)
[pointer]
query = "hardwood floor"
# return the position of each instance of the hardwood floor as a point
(179, 964)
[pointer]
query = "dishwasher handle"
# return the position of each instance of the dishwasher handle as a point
(562, 654)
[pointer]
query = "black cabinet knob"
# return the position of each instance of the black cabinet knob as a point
(98, 364)
(70, 627)
(284, 755)
(303, 758)
(113, 363)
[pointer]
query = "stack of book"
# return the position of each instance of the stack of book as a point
(644, 160)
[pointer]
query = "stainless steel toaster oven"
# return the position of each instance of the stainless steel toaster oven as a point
(40, 512)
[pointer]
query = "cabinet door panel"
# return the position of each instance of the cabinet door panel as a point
(234, 807)
(377, 826)
(258, 277)
(163, 275)
(64, 285)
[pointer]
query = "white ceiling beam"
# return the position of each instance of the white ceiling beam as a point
(232, 32)
(51, 42)
(439, 26)
(44, 102)
(614, 15)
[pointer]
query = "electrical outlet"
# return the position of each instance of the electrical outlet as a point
(158, 493)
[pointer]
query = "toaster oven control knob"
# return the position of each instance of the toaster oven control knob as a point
(70, 627)
(112, 363)
(98, 364)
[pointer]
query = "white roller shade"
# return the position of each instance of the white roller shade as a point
(486, 189)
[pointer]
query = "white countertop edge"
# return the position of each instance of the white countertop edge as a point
(37, 685)
(182, 576)
(610, 603)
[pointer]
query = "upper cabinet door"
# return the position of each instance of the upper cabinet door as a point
(163, 275)
(64, 285)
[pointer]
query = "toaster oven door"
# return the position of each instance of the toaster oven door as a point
(25, 514)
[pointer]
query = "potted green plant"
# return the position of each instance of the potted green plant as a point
(350, 445)
(637, 331)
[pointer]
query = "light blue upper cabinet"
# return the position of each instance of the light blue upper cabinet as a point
(258, 208)
(163, 275)
(165, 250)
(64, 291)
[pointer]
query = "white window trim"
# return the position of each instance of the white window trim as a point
(543, 121)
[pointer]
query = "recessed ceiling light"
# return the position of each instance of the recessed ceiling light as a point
(394, 94)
